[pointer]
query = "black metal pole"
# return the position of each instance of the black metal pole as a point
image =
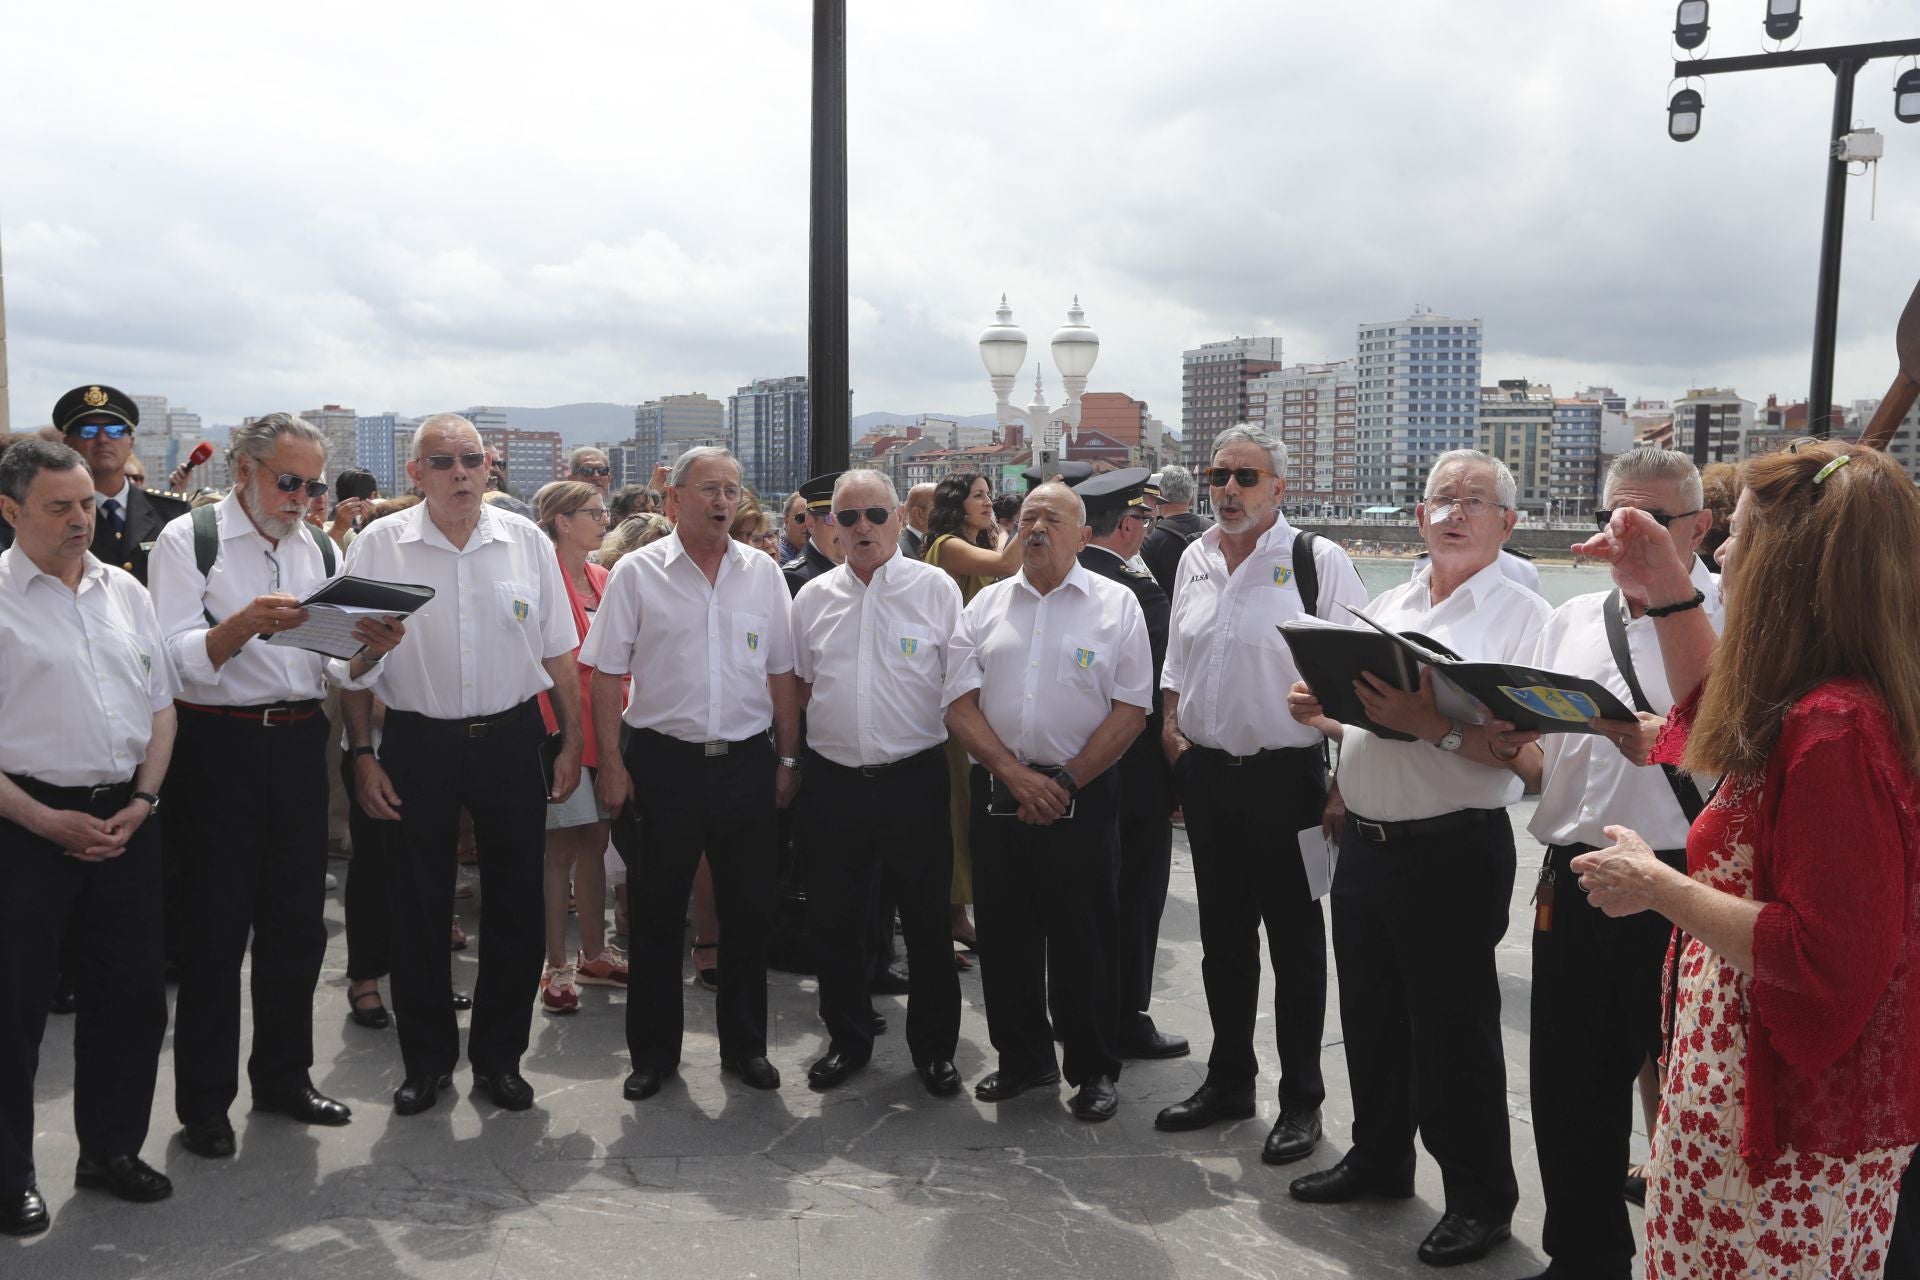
(829, 381)
(1826, 305)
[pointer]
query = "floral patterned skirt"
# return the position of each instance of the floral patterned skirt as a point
(1712, 1214)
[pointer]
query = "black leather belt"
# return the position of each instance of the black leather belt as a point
(708, 749)
(879, 770)
(268, 717)
(1385, 832)
(102, 801)
(1232, 761)
(477, 727)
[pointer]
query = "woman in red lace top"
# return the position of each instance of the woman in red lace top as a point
(1791, 1098)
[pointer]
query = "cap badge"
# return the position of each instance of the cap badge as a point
(94, 397)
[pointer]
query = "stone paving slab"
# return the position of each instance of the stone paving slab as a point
(711, 1180)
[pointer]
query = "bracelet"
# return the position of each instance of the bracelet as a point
(791, 762)
(1668, 610)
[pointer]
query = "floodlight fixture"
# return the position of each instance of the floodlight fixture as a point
(1683, 115)
(1906, 97)
(1690, 24)
(1783, 18)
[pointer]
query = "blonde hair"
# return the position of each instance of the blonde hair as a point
(629, 536)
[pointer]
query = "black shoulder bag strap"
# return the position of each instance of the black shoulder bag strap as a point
(206, 547)
(1305, 575)
(1684, 791)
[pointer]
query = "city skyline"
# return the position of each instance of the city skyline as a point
(487, 223)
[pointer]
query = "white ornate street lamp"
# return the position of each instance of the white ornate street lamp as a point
(1003, 349)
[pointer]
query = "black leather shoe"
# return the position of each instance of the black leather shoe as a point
(461, 1000)
(1152, 1043)
(128, 1177)
(508, 1089)
(307, 1105)
(644, 1082)
(941, 1078)
(1346, 1181)
(755, 1073)
(890, 982)
(23, 1213)
(833, 1068)
(1096, 1101)
(419, 1093)
(64, 1000)
(210, 1139)
(1459, 1239)
(1295, 1135)
(372, 1016)
(879, 1024)
(1209, 1104)
(998, 1086)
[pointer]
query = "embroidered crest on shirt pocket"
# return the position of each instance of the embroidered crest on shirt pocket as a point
(909, 645)
(520, 610)
(1282, 575)
(753, 642)
(1083, 658)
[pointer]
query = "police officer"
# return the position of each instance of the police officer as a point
(1048, 682)
(87, 692)
(250, 780)
(822, 550)
(1117, 516)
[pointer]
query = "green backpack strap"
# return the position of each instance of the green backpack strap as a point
(206, 546)
(322, 541)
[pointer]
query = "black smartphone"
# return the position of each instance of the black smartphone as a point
(549, 752)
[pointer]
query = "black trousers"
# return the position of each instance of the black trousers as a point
(692, 803)
(865, 833)
(368, 895)
(1241, 824)
(1044, 901)
(439, 768)
(1415, 923)
(114, 906)
(251, 836)
(1596, 1019)
(1146, 860)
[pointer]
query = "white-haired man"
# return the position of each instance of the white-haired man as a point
(1175, 525)
(1426, 870)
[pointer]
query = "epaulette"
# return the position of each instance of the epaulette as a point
(794, 565)
(167, 493)
(1515, 551)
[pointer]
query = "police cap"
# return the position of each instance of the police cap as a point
(94, 401)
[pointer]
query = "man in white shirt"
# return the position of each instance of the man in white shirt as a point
(249, 784)
(463, 730)
(703, 624)
(1048, 681)
(1426, 869)
(870, 646)
(88, 695)
(1596, 980)
(1251, 778)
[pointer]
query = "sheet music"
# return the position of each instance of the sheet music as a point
(329, 629)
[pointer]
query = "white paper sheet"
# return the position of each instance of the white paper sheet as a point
(1319, 857)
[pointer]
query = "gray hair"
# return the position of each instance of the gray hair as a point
(1250, 434)
(257, 439)
(579, 456)
(684, 463)
(440, 423)
(1504, 489)
(1079, 502)
(25, 459)
(1653, 465)
(1177, 484)
(868, 473)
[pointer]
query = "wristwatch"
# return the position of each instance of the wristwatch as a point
(792, 762)
(1454, 737)
(357, 752)
(153, 801)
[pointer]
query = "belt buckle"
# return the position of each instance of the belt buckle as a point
(1233, 761)
(716, 747)
(266, 716)
(94, 795)
(873, 770)
(477, 728)
(1378, 834)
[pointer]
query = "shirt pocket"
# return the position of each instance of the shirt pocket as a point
(1083, 663)
(1271, 599)
(513, 606)
(746, 640)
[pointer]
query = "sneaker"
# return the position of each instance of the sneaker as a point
(608, 969)
(560, 989)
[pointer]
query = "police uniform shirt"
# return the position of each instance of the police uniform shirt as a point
(1225, 655)
(248, 566)
(699, 652)
(81, 673)
(500, 608)
(1049, 668)
(1488, 618)
(1521, 570)
(1588, 784)
(876, 656)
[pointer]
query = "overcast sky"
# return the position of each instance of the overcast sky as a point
(413, 206)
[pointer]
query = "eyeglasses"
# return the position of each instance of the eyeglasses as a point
(1442, 505)
(593, 471)
(874, 515)
(1604, 517)
(714, 489)
(798, 517)
(445, 461)
(286, 482)
(1245, 477)
(599, 515)
(1141, 514)
(111, 430)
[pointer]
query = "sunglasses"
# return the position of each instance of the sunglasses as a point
(287, 483)
(593, 471)
(1604, 517)
(111, 430)
(874, 515)
(1245, 477)
(445, 461)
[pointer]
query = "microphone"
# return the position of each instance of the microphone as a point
(201, 452)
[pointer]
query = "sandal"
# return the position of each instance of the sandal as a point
(375, 1018)
(707, 976)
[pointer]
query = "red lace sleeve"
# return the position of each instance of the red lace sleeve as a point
(1834, 878)
(1671, 745)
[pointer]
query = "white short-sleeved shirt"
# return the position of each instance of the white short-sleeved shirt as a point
(699, 652)
(1226, 657)
(81, 673)
(1588, 785)
(1521, 570)
(500, 609)
(1488, 618)
(248, 567)
(876, 656)
(1049, 668)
